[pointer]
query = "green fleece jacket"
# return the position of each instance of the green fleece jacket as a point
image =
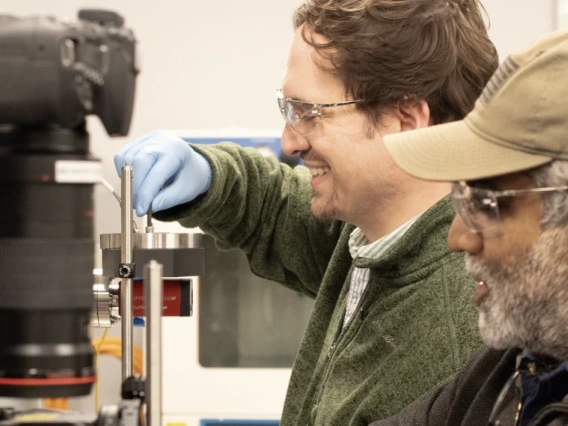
(415, 325)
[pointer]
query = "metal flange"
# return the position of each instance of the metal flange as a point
(153, 240)
(182, 255)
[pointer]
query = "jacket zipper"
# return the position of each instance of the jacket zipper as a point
(341, 330)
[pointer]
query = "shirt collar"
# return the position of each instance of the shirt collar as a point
(359, 245)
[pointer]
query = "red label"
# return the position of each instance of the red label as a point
(177, 294)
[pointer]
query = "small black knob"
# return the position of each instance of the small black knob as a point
(126, 270)
(134, 387)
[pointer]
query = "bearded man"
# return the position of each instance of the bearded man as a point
(508, 164)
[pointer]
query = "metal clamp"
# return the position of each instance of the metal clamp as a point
(105, 302)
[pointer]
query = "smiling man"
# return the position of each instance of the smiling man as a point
(508, 161)
(351, 230)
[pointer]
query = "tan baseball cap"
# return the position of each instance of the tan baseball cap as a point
(520, 121)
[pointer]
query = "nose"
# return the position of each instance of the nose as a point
(293, 143)
(463, 239)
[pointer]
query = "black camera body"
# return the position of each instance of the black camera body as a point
(54, 71)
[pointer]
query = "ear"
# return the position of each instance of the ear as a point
(413, 116)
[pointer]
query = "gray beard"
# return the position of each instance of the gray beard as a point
(527, 306)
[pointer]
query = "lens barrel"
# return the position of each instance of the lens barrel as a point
(46, 263)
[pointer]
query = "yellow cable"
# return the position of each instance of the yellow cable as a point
(56, 403)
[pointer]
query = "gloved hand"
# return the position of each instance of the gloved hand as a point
(166, 171)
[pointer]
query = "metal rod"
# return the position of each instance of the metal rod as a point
(115, 194)
(149, 226)
(153, 295)
(126, 285)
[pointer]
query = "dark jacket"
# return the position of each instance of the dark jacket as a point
(494, 389)
(416, 314)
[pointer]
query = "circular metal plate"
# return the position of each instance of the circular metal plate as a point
(153, 240)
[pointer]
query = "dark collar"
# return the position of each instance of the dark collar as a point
(543, 381)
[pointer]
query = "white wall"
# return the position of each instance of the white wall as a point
(211, 64)
(515, 23)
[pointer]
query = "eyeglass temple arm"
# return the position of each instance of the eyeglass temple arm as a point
(513, 192)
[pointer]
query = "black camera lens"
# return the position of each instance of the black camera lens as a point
(54, 74)
(46, 264)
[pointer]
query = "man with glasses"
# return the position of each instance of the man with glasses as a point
(350, 229)
(508, 161)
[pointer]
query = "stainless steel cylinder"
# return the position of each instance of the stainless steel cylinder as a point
(153, 292)
(126, 287)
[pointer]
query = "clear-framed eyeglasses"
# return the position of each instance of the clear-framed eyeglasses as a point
(479, 208)
(303, 116)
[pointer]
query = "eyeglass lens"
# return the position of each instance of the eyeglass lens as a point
(301, 116)
(479, 209)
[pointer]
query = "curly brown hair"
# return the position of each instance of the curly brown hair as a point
(391, 51)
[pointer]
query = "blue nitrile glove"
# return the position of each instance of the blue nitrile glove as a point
(166, 171)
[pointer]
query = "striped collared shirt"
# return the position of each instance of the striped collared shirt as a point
(359, 246)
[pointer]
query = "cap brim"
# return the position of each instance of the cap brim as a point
(454, 152)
